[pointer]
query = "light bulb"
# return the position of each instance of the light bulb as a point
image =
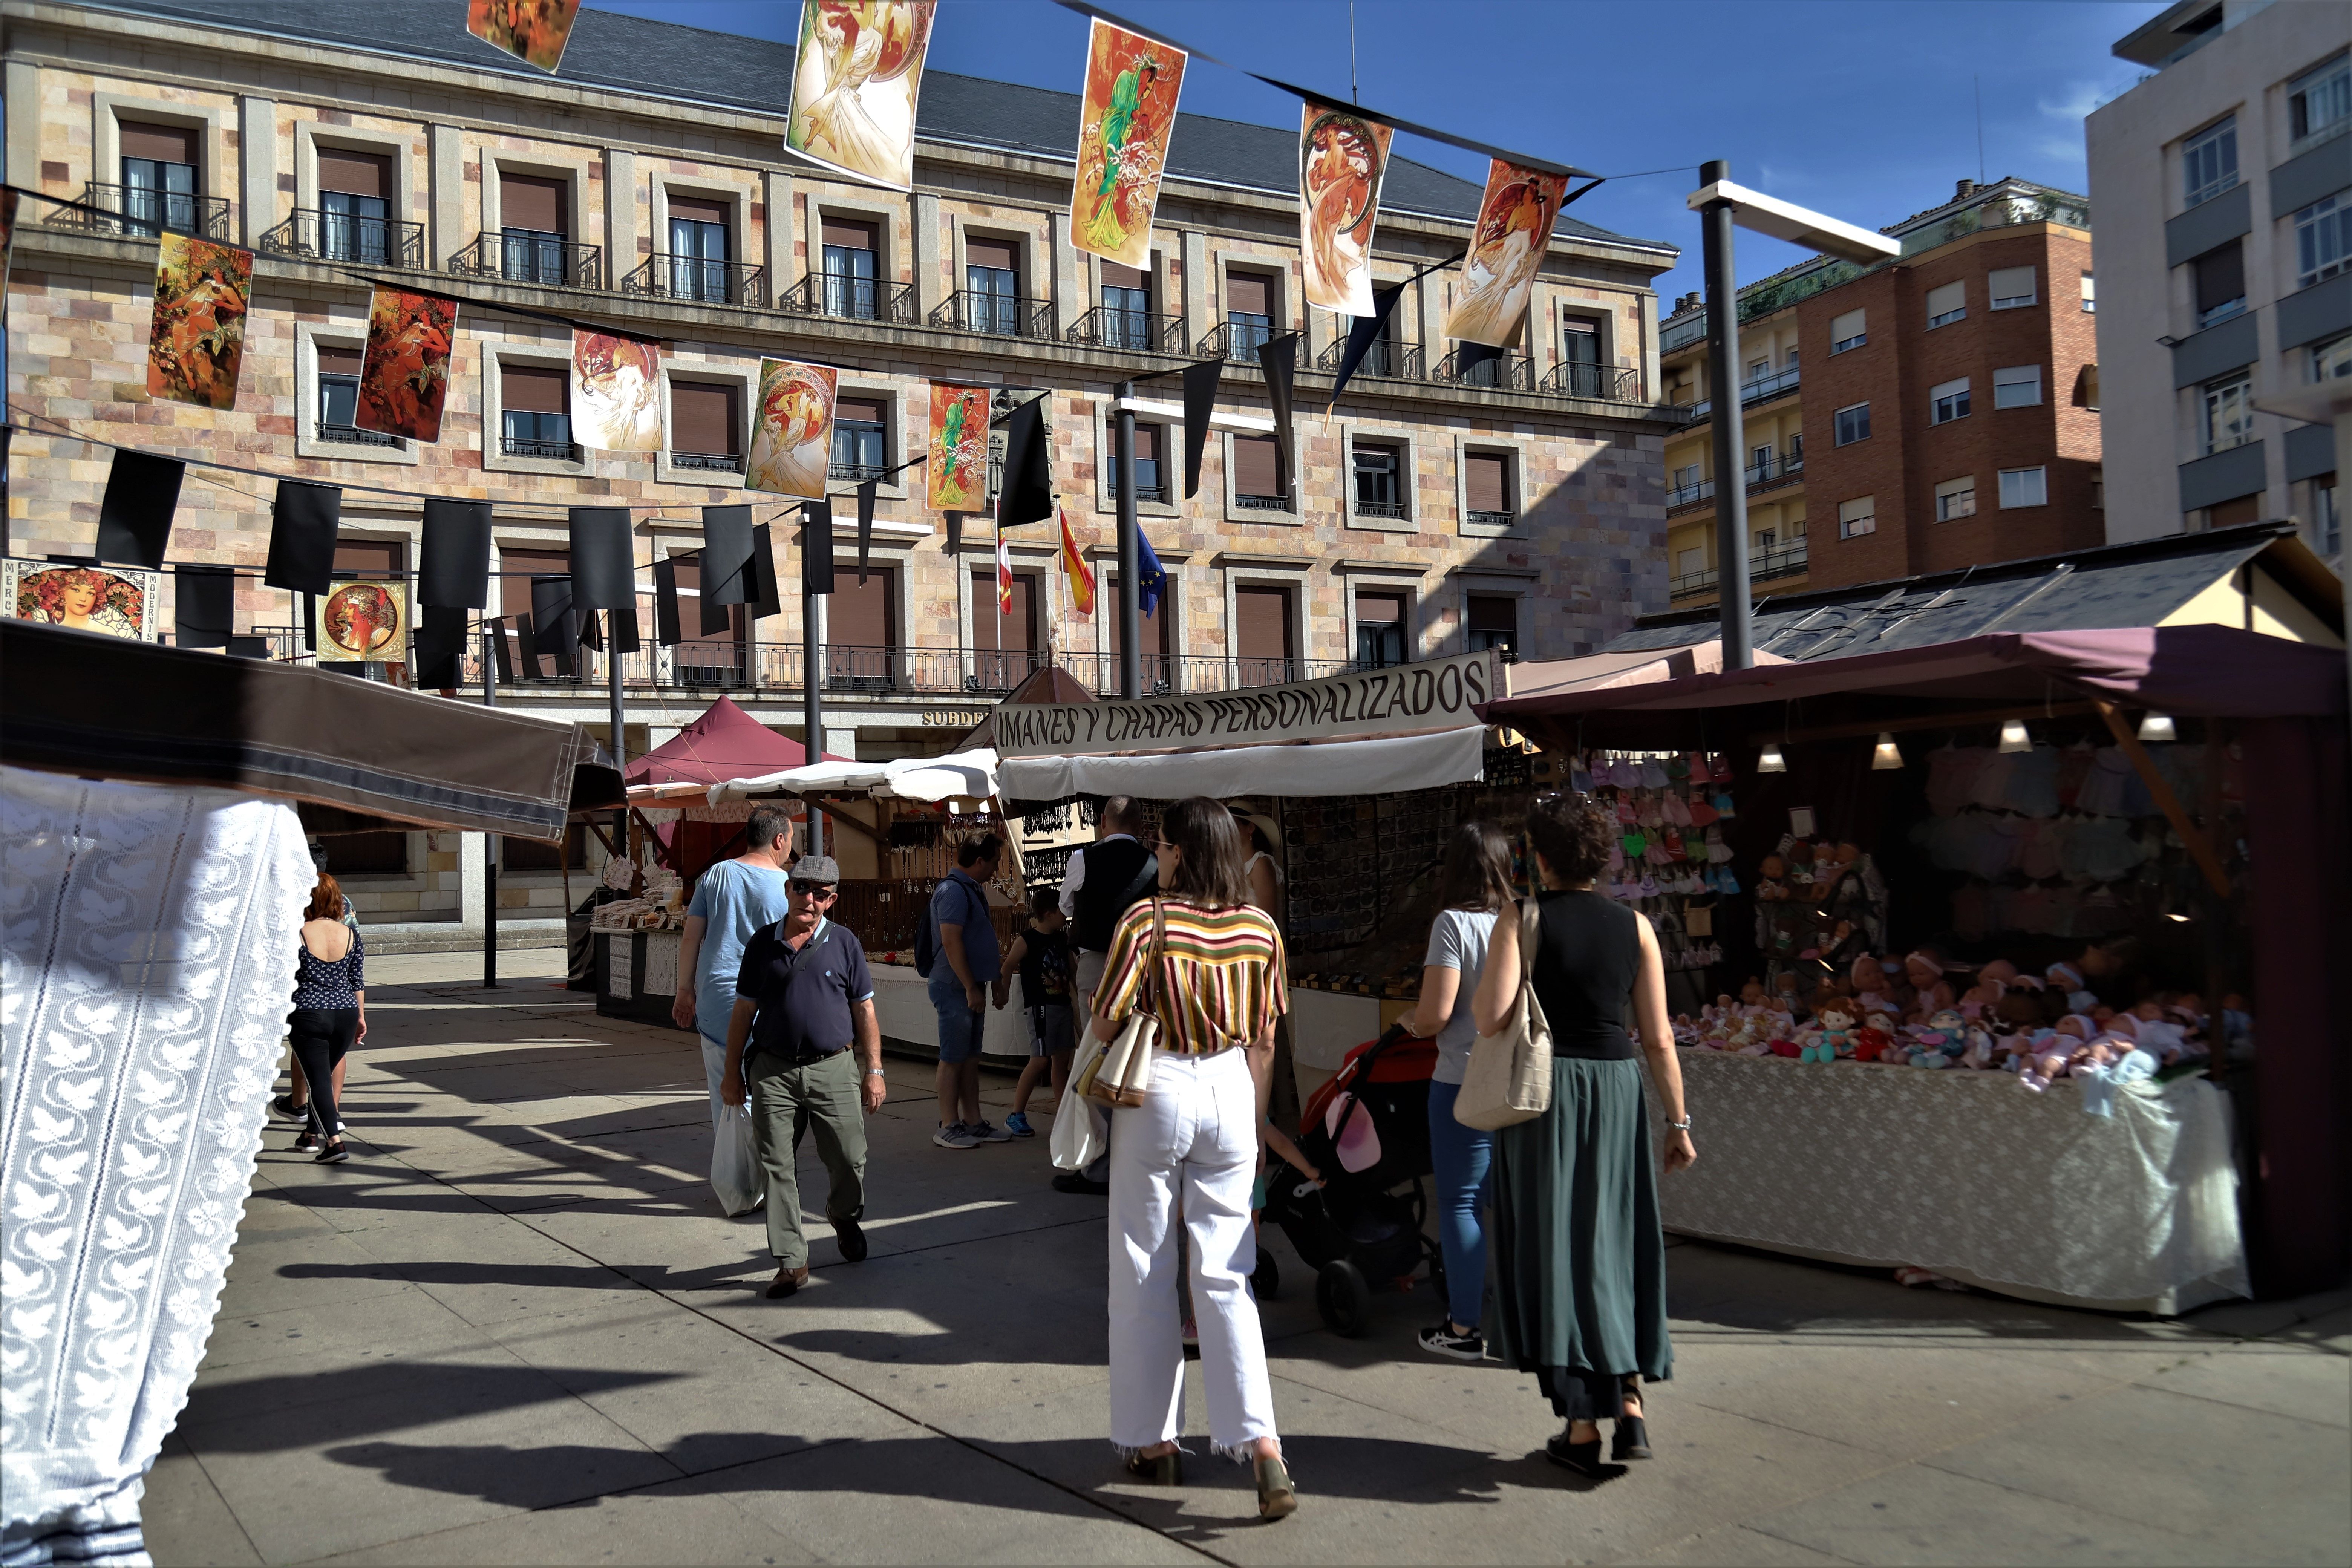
(2013, 737)
(2158, 727)
(1885, 755)
(1770, 760)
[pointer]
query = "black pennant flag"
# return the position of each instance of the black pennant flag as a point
(204, 606)
(621, 628)
(134, 517)
(457, 566)
(866, 526)
(302, 523)
(667, 628)
(603, 560)
(526, 647)
(499, 654)
(440, 649)
(816, 546)
(1363, 334)
(955, 537)
(1028, 493)
(1279, 358)
(726, 557)
(767, 596)
(1200, 381)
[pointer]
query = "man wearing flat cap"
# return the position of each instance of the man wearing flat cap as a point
(805, 1045)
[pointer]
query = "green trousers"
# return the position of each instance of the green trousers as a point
(822, 1095)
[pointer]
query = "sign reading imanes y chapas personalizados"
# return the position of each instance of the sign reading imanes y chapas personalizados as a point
(1409, 698)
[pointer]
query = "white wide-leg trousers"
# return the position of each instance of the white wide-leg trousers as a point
(1194, 1144)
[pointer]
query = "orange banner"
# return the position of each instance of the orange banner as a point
(957, 469)
(791, 434)
(406, 375)
(533, 31)
(1123, 126)
(1341, 161)
(195, 338)
(1490, 300)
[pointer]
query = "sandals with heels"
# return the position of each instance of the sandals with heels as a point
(1277, 1498)
(1158, 1470)
(1632, 1439)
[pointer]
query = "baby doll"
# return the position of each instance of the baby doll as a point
(1772, 879)
(1980, 1051)
(1833, 1037)
(1924, 973)
(2067, 980)
(1751, 994)
(2115, 1058)
(2069, 1042)
(1980, 999)
(2156, 1035)
(1868, 979)
(1787, 995)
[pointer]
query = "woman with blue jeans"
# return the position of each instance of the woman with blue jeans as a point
(1474, 883)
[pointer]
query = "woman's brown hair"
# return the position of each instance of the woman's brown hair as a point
(1210, 870)
(1574, 834)
(1477, 869)
(326, 900)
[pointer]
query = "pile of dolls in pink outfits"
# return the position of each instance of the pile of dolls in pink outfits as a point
(1925, 1011)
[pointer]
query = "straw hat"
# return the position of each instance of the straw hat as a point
(1264, 823)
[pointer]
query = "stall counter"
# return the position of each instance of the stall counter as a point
(636, 974)
(902, 1004)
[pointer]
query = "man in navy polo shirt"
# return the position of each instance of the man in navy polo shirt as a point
(802, 1000)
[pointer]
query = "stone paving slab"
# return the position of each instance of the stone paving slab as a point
(515, 1327)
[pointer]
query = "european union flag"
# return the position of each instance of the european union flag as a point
(1150, 582)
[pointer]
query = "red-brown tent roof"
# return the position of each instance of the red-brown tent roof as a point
(724, 744)
(1050, 684)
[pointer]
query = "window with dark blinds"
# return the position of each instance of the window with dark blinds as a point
(999, 255)
(339, 361)
(534, 389)
(703, 418)
(1255, 468)
(864, 617)
(850, 236)
(162, 143)
(354, 174)
(1486, 477)
(528, 202)
(1248, 294)
(1262, 623)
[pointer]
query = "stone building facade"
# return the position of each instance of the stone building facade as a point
(646, 187)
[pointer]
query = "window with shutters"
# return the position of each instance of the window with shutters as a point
(1383, 629)
(699, 249)
(1947, 401)
(1151, 469)
(535, 412)
(2209, 161)
(706, 426)
(861, 627)
(1379, 478)
(339, 397)
(1126, 308)
(2219, 280)
(1004, 639)
(1265, 642)
(1851, 424)
(1848, 332)
(1946, 303)
(1857, 517)
(1579, 357)
(2017, 386)
(1493, 619)
(992, 274)
(861, 439)
(2024, 487)
(853, 268)
(1159, 639)
(1256, 474)
(1956, 498)
(161, 176)
(712, 657)
(1487, 492)
(533, 228)
(355, 192)
(2012, 288)
(1249, 313)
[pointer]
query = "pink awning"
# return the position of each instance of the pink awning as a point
(724, 744)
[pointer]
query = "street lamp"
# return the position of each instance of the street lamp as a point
(1721, 204)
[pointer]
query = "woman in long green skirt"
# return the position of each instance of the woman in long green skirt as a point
(1579, 1270)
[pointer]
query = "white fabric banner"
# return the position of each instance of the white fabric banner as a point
(147, 968)
(1338, 767)
(1969, 1173)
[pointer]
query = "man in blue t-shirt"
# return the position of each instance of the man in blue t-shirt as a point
(803, 999)
(731, 900)
(967, 964)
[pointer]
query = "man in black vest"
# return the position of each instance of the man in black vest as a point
(1104, 878)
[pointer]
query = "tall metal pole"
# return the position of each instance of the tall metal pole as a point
(1130, 587)
(619, 718)
(812, 682)
(1730, 433)
(490, 628)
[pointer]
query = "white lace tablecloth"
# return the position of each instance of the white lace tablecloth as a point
(1968, 1173)
(147, 940)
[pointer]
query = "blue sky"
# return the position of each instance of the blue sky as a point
(1864, 109)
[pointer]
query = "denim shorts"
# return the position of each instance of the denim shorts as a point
(960, 1028)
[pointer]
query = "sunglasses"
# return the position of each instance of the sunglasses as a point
(821, 892)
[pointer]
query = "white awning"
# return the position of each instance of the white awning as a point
(1385, 766)
(970, 773)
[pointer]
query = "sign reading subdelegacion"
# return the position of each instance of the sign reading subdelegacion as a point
(1407, 699)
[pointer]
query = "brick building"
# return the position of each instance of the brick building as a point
(646, 186)
(1936, 410)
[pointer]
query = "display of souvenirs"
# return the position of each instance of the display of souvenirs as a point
(1670, 861)
(1818, 905)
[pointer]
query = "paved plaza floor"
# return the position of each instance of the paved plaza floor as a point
(516, 1329)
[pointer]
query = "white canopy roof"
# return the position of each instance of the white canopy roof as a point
(972, 773)
(1383, 766)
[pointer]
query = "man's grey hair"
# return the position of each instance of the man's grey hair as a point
(769, 823)
(1118, 813)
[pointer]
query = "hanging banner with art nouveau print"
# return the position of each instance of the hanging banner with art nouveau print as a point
(616, 392)
(195, 338)
(791, 434)
(533, 31)
(361, 621)
(404, 376)
(1490, 298)
(1130, 108)
(855, 82)
(1341, 160)
(957, 464)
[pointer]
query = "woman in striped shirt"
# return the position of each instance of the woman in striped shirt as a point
(1214, 983)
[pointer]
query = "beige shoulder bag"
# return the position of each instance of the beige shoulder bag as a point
(1123, 1076)
(1508, 1080)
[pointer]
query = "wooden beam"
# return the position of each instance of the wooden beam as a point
(835, 815)
(2200, 844)
(1966, 720)
(604, 837)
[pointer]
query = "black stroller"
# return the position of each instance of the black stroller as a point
(1362, 1224)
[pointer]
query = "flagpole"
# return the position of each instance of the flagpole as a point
(1130, 588)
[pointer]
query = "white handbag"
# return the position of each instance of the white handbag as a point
(1124, 1076)
(1508, 1080)
(1081, 1129)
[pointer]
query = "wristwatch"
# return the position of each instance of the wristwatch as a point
(878, 1072)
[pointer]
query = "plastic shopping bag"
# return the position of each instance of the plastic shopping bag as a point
(735, 1174)
(1081, 1127)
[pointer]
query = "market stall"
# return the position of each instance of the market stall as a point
(2133, 839)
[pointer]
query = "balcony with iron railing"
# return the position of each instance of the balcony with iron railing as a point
(691, 278)
(346, 236)
(1690, 494)
(541, 448)
(520, 257)
(855, 473)
(848, 298)
(1763, 567)
(1240, 341)
(1762, 389)
(1105, 328)
(1386, 358)
(1673, 335)
(352, 435)
(1605, 382)
(137, 210)
(1503, 373)
(1495, 520)
(1394, 511)
(998, 315)
(706, 462)
(1777, 469)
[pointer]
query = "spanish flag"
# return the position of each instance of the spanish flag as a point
(1082, 580)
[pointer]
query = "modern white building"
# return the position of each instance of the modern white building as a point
(2224, 185)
